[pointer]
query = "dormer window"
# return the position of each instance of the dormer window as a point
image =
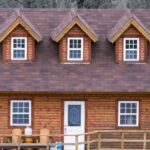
(130, 37)
(131, 49)
(18, 38)
(75, 39)
(75, 48)
(19, 48)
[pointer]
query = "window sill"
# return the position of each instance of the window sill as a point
(139, 63)
(127, 127)
(19, 61)
(76, 63)
(133, 62)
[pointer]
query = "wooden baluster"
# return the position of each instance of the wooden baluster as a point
(48, 142)
(144, 138)
(76, 144)
(88, 141)
(122, 141)
(99, 141)
(19, 142)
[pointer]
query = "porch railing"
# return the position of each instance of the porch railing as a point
(97, 140)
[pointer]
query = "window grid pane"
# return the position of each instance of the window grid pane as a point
(128, 113)
(75, 48)
(19, 48)
(18, 53)
(20, 113)
(131, 49)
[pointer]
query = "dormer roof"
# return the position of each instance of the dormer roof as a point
(124, 23)
(72, 19)
(18, 18)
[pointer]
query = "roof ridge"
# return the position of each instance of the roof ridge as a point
(128, 13)
(18, 12)
(131, 12)
(74, 13)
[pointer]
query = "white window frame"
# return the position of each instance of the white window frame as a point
(124, 49)
(68, 48)
(11, 113)
(137, 114)
(12, 48)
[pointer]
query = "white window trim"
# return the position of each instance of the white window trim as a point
(12, 48)
(11, 113)
(68, 48)
(124, 49)
(137, 114)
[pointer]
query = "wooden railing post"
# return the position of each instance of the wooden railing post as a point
(88, 141)
(99, 141)
(144, 138)
(76, 144)
(122, 141)
(48, 141)
(19, 142)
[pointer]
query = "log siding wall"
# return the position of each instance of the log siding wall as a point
(47, 112)
(129, 33)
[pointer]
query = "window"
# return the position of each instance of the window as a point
(131, 49)
(128, 113)
(75, 48)
(74, 115)
(20, 113)
(19, 48)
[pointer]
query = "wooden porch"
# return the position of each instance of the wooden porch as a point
(98, 140)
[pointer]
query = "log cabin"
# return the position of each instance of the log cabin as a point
(75, 72)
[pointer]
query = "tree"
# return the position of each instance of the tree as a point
(76, 3)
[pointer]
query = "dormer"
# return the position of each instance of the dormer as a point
(74, 36)
(131, 37)
(18, 36)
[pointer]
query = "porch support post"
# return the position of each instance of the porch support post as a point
(99, 141)
(88, 142)
(48, 143)
(122, 141)
(76, 144)
(144, 144)
(19, 142)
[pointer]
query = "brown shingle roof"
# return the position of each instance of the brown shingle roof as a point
(102, 75)
(16, 18)
(122, 25)
(71, 19)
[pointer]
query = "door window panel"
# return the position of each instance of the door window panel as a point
(74, 115)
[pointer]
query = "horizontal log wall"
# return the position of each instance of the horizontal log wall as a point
(47, 112)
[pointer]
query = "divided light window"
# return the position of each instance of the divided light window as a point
(131, 49)
(128, 113)
(20, 113)
(75, 48)
(19, 48)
